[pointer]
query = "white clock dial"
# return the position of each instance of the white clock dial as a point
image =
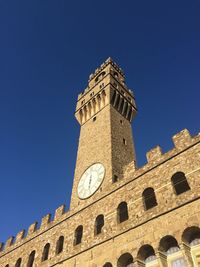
(91, 180)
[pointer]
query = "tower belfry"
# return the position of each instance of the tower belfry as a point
(120, 215)
(104, 110)
(106, 86)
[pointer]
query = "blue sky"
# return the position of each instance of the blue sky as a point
(47, 51)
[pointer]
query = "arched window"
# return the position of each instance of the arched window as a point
(45, 253)
(125, 260)
(149, 198)
(191, 236)
(146, 254)
(18, 263)
(100, 76)
(169, 245)
(7, 265)
(180, 183)
(59, 245)
(107, 264)
(103, 73)
(122, 212)
(116, 74)
(78, 235)
(31, 259)
(99, 223)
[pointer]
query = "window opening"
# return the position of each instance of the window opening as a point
(18, 263)
(99, 223)
(78, 235)
(115, 178)
(31, 259)
(149, 198)
(115, 84)
(122, 211)
(180, 183)
(59, 246)
(116, 74)
(108, 264)
(124, 141)
(45, 253)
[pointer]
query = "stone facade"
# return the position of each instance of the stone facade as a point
(150, 214)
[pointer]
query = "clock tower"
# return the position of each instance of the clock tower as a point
(104, 110)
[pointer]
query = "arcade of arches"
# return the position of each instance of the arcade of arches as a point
(169, 252)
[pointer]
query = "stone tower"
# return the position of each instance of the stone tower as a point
(105, 111)
(120, 215)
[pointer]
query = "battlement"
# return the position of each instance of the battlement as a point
(34, 229)
(99, 73)
(182, 141)
(155, 156)
(102, 67)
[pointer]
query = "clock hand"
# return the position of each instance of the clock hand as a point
(90, 181)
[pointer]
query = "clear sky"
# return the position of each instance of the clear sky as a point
(47, 51)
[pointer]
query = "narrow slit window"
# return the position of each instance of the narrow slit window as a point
(78, 235)
(99, 223)
(31, 259)
(124, 141)
(45, 254)
(122, 212)
(18, 263)
(59, 245)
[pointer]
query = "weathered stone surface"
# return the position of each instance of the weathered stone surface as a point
(102, 140)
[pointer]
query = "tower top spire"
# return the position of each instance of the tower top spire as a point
(103, 66)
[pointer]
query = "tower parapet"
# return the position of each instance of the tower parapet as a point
(116, 207)
(106, 86)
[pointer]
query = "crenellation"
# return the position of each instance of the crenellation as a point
(160, 157)
(182, 139)
(196, 138)
(98, 70)
(45, 221)
(20, 236)
(154, 154)
(32, 228)
(59, 212)
(9, 242)
(132, 210)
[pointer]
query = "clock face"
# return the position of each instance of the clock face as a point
(91, 180)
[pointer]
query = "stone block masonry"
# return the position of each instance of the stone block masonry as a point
(150, 216)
